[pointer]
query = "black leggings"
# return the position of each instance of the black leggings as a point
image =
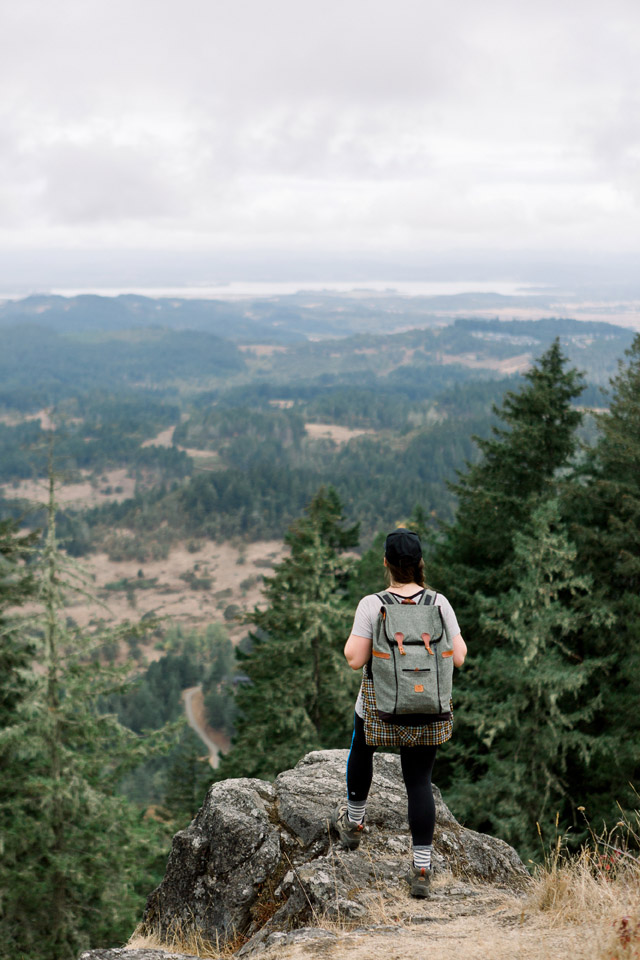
(417, 765)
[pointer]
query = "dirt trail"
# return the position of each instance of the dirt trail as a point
(460, 922)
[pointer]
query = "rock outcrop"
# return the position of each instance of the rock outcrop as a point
(259, 859)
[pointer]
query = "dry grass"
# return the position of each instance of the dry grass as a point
(623, 314)
(182, 940)
(189, 944)
(592, 885)
(599, 887)
(172, 596)
(113, 486)
(262, 349)
(162, 439)
(335, 432)
(577, 910)
(579, 907)
(165, 439)
(509, 365)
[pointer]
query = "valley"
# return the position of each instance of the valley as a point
(187, 437)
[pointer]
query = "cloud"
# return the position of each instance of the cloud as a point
(99, 182)
(344, 126)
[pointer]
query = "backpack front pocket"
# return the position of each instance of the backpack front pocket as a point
(418, 689)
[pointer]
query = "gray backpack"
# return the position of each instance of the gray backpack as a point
(411, 660)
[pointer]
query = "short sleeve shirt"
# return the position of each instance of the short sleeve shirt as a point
(367, 613)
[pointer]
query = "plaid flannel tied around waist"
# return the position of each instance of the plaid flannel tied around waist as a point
(380, 734)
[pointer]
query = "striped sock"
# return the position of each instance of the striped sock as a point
(355, 810)
(422, 857)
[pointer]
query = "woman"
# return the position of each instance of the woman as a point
(404, 573)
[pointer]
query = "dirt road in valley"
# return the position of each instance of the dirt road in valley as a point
(194, 709)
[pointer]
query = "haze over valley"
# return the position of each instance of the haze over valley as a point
(188, 433)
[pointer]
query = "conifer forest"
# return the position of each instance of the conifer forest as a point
(134, 440)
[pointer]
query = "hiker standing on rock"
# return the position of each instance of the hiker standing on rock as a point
(407, 640)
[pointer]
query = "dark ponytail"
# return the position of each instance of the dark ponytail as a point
(410, 571)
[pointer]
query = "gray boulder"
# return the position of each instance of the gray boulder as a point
(259, 859)
(218, 865)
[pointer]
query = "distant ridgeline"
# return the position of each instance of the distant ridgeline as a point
(226, 390)
(277, 319)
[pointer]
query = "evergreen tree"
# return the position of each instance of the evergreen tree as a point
(368, 574)
(299, 695)
(16, 585)
(188, 778)
(535, 692)
(496, 496)
(473, 561)
(605, 513)
(77, 860)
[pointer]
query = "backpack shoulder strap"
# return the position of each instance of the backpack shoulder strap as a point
(428, 597)
(388, 598)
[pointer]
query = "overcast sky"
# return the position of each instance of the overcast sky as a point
(287, 129)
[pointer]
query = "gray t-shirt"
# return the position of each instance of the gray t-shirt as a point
(367, 613)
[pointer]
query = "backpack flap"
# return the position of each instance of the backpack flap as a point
(412, 661)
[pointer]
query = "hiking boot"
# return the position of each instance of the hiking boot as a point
(350, 833)
(419, 880)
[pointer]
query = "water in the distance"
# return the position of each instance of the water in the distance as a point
(254, 289)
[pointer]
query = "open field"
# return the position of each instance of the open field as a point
(262, 349)
(165, 439)
(43, 416)
(235, 574)
(333, 431)
(94, 489)
(626, 314)
(112, 486)
(508, 366)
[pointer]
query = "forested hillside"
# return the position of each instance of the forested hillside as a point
(279, 319)
(542, 565)
(223, 441)
(496, 441)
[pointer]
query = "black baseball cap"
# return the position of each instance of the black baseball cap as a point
(402, 545)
